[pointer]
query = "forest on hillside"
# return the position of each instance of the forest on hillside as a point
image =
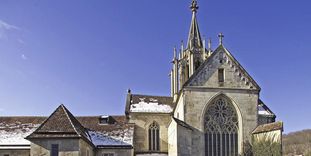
(297, 143)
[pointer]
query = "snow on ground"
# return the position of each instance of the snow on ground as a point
(152, 106)
(14, 133)
(117, 137)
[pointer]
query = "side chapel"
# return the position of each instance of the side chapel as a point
(214, 110)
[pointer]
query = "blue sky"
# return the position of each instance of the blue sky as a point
(86, 54)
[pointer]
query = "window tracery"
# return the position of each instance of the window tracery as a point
(221, 129)
(154, 138)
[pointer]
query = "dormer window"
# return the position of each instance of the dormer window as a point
(105, 119)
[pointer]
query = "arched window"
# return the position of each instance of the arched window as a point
(221, 128)
(154, 138)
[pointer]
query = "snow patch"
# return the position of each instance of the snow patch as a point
(14, 133)
(118, 137)
(263, 111)
(152, 106)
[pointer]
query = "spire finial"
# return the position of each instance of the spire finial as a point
(194, 6)
(221, 37)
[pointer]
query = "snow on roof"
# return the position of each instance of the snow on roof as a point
(14, 133)
(113, 138)
(263, 111)
(150, 105)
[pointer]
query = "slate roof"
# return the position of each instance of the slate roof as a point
(269, 127)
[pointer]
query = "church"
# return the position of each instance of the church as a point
(214, 110)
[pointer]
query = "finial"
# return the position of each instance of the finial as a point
(182, 46)
(194, 6)
(221, 36)
(129, 91)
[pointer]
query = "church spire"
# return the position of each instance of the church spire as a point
(194, 37)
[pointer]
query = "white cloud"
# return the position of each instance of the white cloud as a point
(24, 57)
(5, 28)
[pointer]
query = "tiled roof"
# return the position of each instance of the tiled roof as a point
(61, 123)
(269, 127)
(13, 130)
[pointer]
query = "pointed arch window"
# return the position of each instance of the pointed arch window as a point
(154, 137)
(221, 128)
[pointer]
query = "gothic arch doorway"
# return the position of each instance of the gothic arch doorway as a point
(221, 128)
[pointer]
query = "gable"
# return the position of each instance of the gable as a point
(235, 76)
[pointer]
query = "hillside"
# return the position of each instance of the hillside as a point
(297, 143)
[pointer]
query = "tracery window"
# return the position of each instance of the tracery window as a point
(154, 138)
(221, 129)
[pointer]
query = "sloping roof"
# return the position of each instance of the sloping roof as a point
(106, 135)
(14, 129)
(264, 110)
(61, 123)
(182, 123)
(150, 104)
(269, 127)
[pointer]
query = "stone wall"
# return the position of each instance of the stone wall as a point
(179, 110)
(142, 122)
(172, 139)
(15, 152)
(67, 147)
(196, 101)
(184, 145)
(86, 148)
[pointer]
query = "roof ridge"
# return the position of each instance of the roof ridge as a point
(74, 127)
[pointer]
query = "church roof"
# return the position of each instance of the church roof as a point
(269, 127)
(150, 104)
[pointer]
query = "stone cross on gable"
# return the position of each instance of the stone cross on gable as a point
(221, 37)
